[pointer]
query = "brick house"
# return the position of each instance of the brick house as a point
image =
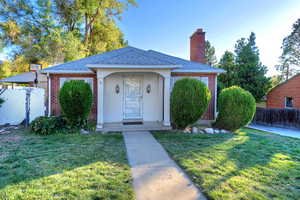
(132, 85)
(286, 94)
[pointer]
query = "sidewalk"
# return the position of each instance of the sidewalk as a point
(155, 175)
(281, 131)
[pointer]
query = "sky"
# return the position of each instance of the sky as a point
(166, 25)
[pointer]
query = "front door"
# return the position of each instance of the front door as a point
(132, 97)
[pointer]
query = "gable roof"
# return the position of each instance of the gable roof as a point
(284, 82)
(131, 56)
(26, 77)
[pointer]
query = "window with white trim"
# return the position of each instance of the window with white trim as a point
(203, 79)
(288, 102)
(65, 79)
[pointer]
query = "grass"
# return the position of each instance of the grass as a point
(64, 167)
(246, 165)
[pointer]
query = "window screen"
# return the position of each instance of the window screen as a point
(288, 102)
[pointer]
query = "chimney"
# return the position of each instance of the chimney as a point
(197, 46)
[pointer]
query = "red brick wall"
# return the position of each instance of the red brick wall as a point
(276, 97)
(209, 115)
(55, 107)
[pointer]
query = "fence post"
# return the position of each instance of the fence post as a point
(27, 107)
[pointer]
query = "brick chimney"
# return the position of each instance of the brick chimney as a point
(197, 46)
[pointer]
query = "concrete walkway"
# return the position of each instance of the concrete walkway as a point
(155, 175)
(281, 131)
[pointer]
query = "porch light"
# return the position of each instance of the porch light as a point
(117, 89)
(148, 89)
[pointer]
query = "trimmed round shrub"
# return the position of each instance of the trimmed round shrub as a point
(189, 101)
(236, 108)
(48, 125)
(75, 98)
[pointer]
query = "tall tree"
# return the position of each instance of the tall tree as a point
(290, 57)
(227, 62)
(251, 74)
(210, 54)
(56, 31)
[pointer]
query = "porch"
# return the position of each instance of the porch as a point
(140, 95)
(145, 126)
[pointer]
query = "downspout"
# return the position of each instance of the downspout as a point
(216, 95)
(49, 95)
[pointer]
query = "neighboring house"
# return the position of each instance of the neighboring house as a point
(286, 94)
(133, 86)
(33, 78)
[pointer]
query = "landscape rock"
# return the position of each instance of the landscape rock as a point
(194, 130)
(82, 131)
(209, 130)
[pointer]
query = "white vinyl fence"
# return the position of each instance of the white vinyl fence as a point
(21, 104)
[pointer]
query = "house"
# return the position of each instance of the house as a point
(286, 94)
(31, 78)
(133, 86)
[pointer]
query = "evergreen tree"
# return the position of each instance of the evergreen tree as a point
(210, 56)
(227, 62)
(290, 57)
(251, 74)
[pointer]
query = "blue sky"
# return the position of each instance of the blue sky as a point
(165, 25)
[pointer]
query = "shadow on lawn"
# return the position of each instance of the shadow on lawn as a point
(239, 166)
(31, 157)
(255, 161)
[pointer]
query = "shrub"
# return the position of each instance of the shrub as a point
(189, 101)
(75, 98)
(48, 125)
(236, 108)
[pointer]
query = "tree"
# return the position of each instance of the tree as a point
(251, 74)
(56, 31)
(227, 62)
(290, 57)
(210, 56)
(100, 32)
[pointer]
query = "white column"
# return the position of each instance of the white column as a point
(100, 103)
(167, 85)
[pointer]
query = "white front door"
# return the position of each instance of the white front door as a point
(133, 97)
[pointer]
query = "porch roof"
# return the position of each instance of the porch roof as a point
(134, 58)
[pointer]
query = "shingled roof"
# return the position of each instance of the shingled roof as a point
(134, 57)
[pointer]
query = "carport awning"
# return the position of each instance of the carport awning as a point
(26, 77)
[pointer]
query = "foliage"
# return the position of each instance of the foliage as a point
(275, 80)
(246, 70)
(64, 166)
(56, 31)
(210, 54)
(290, 57)
(236, 108)
(227, 62)
(189, 101)
(75, 98)
(246, 165)
(48, 125)
(280, 116)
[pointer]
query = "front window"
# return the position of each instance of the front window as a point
(288, 102)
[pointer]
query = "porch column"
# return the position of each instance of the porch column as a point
(167, 85)
(100, 100)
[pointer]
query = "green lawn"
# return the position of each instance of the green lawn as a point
(64, 167)
(246, 165)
